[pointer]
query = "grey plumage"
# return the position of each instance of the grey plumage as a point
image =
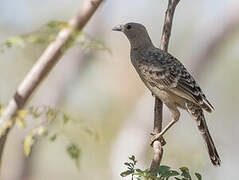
(169, 80)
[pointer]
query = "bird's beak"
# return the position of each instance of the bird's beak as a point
(118, 28)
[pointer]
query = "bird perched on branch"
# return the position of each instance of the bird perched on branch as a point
(168, 80)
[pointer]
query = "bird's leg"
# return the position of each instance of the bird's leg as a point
(175, 115)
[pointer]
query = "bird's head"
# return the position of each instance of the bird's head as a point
(131, 30)
(135, 32)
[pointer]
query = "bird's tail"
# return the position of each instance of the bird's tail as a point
(198, 115)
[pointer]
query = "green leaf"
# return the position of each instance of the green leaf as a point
(73, 151)
(185, 173)
(34, 111)
(127, 164)
(65, 119)
(170, 174)
(28, 142)
(51, 115)
(199, 177)
(163, 169)
(126, 173)
(132, 158)
(30, 138)
(53, 137)
(20, 119)
(139, 170)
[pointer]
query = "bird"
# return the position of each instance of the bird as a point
(168, 79)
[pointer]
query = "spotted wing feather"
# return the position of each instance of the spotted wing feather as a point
(166, 72)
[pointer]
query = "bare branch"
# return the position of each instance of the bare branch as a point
(158, 107)
(45, 64)
(168, 21)
(157, 145)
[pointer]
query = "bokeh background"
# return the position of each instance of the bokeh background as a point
(103, 92)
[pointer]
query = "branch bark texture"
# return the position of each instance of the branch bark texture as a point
(158, 107)
(44, 65)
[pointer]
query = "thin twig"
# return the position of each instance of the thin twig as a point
(158, 107)
(45, 64)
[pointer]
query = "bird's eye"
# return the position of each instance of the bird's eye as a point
(128, 27)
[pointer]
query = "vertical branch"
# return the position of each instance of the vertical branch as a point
(158, 107)
(168, 21)
(157, 145)
(44, 65)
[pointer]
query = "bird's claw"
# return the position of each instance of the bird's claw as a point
(157, 137)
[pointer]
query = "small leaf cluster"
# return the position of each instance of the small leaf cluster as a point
(162, 173)
(74, 152)
(130, 166)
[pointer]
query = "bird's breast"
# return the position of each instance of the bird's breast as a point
(166, 96)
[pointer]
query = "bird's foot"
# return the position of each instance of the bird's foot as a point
(156, 137)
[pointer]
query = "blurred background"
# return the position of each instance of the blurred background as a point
(104, 95)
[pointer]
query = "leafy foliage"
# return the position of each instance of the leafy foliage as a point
(42, 37)
(48, 33)
(162, 173)
(45, 116)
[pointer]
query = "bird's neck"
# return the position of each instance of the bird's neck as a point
(140, 43)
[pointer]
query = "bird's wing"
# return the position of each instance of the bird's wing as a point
(173, 76)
